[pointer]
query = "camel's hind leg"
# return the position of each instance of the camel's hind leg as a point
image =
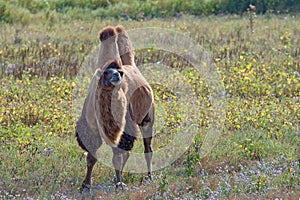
(91, 161)
(147, 130)
(148, 155)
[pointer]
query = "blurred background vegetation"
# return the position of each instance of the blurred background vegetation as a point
(24, 10)
(44, 44)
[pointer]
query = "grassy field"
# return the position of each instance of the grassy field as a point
(257, 155)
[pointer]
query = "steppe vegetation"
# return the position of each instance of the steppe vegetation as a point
(42, 49)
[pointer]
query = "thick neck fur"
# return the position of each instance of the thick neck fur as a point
(112, 107)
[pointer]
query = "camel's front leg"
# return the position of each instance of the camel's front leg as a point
(91, 161)
(119, 159)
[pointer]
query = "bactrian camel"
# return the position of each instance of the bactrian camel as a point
(119, 102)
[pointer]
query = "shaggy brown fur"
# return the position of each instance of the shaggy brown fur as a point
(112, 107)
(107, 32)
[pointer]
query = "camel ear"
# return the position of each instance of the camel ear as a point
(106, 33)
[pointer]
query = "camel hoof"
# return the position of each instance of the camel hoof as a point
(121, 186)
(85, 187)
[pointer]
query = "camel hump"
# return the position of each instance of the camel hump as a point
(120, 29)
(107, 32)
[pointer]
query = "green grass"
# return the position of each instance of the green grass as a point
(257, 155)
(24, 11)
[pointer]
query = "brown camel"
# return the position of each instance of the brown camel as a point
(119, 101)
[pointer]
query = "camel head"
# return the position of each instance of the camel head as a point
(112, 76)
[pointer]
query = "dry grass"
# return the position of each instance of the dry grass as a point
(256, 157)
